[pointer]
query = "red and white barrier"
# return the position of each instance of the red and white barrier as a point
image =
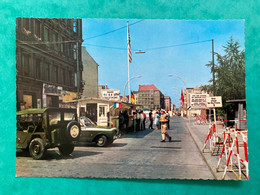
(201, 119)
(211, 138)
(233, 148)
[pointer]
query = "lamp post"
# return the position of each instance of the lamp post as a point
(171, 75)
(127, 83)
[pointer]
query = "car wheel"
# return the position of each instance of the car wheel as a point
(37, 148)
(73, 131)
(66, 149)
(101, 140)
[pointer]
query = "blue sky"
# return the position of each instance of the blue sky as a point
(186, 61)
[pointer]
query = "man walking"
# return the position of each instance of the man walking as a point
(163, 120)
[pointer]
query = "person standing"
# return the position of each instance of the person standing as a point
(134, 121)
(163, 120)
(141, 120)
(151, 119)
(144, 119)
(156, 120)
(137, 121)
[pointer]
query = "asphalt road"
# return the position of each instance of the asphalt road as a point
(134, 155)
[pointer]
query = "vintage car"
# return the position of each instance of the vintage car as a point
(101, 136)
(41, 129)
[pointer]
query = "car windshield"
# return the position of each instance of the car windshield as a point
(86, 122)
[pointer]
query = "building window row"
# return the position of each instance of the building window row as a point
(44, 70)
(56, 41)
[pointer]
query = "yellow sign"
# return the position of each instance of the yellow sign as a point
(68, 96)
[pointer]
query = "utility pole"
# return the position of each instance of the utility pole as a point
(213, 68)
(128, 48)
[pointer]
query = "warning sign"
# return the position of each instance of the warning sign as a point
(214, 102)
(198, 100)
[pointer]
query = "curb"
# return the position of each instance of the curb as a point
(211, 170)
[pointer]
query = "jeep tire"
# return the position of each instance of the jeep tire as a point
(37, 148)
(66, 149)
(73, 131)
(101, 141)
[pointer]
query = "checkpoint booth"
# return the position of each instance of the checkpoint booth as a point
(101, 111)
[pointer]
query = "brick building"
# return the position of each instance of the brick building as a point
(48, 61)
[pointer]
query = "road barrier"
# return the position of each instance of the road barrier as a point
(201, 119)
(211, 138)
(232, 138)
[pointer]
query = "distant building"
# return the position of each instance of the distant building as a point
(150, 97)
(48, 61)
(100, 88)
(167, 103)
(89, 75)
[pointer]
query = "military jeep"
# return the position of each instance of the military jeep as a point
(41, 129)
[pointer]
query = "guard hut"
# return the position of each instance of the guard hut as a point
(239, 113)
(101, 111)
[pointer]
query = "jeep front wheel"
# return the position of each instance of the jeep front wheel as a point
(37, 148)
(66, 149)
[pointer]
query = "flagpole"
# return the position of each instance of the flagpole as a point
(129, 90)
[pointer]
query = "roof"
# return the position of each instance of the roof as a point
(32, 111)
(147, 88)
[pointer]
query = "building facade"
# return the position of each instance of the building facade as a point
(167, 103)
(48, 61)
(89, 75)
(150, 97)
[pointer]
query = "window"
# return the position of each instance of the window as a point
(102, 111)
(37, 29)
(68, 116)
(46, 34)
(75, 25)
(75, 51)
(26, 23)
(55, 74)
(62, 45)
(38, 68)
(26, 64)
(55, 40)
(27, 99)
(47, 75)
(54, 118)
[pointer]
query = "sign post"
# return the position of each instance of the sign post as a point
(214, 102)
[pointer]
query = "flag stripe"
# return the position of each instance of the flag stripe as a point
(129, 48)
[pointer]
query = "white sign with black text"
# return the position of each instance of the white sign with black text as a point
(214, 102)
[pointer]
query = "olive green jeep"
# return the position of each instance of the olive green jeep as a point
(40, 129)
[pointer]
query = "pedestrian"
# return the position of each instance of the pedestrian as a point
(156, 120)
(141, 120)
(163, 121)
(126, 119)
(168, 118)
(137, 121)
(121, 120)
(134, 121)
(144, 119)
(159, 113)
(151, 119)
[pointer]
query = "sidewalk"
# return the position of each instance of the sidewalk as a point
(199, 134)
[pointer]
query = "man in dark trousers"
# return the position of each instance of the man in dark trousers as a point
(151, 119)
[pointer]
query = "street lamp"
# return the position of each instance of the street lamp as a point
(171, 75)
(127, 83)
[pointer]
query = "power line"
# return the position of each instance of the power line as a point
(147, 49)
(112, 30)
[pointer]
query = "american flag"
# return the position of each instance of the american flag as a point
(129, 47)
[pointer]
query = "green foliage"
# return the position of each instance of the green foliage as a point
(229, 73)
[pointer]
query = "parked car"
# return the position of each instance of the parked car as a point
(101, 136)
(41, 129)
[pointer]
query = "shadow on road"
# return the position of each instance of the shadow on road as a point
(177, 148)
(138, 134)
(55, 155)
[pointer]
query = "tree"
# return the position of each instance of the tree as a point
(229, 73)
